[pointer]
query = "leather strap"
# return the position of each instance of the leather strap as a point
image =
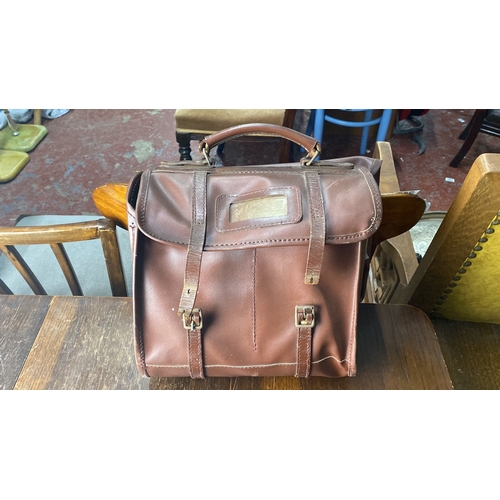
(195, 353)
(305, 321)
(191, 317)
(304, 341)
(195, 245)
(317, 235)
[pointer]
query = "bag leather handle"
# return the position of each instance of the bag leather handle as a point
(310, 144)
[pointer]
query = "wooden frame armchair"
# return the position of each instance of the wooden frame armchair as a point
(55, 236)
(459, 274)
(457, 282)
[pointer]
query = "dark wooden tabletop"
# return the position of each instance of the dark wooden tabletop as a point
(87, 343)
(471, 352)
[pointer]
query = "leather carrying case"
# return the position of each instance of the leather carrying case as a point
(254, 270)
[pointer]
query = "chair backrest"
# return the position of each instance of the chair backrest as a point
(459, 277)
(55, 236)
(483, 120)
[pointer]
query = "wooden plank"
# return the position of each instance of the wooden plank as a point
(402, 243)
(471, 352)
(397, 349)
(84, 343)
(111, 201)
(388, 177)
(87, 343)
(21, 317)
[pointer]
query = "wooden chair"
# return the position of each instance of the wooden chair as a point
(457, 282)
(394, 261)
(483, 120)
(56, 236)
(382, 123)
(458, 277)
(195, 124)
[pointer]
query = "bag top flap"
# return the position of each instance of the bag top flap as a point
(260, 206)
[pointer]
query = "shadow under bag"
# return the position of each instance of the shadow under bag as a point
(254, 270)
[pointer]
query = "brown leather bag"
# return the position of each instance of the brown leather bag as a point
(251, 271)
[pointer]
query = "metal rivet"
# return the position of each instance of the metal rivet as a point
(472, 256)
(490, 230)
(495, 222)
(452, 285)
(467, 264)
(456, 278)
(443, 297)
(439, 302)
(483, 240)
(478, 248)
(462, 271)
(448, 291)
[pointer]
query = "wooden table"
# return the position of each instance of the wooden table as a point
(471, 352)
(87, 343)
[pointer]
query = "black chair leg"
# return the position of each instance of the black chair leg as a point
(184, 141)
(469, 135)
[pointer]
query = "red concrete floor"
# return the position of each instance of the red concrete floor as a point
(87, 148)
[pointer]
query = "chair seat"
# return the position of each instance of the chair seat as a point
(207, 121)
(28, 138)
(11, 163)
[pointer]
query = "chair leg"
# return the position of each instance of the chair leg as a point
(319, 123)
(37, 116)
(383, 127)
(184, 141)
(364, 134)
(469, 134)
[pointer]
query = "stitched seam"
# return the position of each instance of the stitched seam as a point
(331, 357)
(354, 313)
(254, 312)
(377, 202)
(251, 366)
(297, 170)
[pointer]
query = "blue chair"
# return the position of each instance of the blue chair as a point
(383, 124)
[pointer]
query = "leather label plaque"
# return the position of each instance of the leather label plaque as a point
(258, 208)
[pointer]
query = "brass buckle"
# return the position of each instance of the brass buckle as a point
(311, 156)
(206, 153)
(193, 321)
(305, 316)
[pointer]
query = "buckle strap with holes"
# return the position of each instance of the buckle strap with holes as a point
(305, 320)
(317, 234)
(196, 242)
